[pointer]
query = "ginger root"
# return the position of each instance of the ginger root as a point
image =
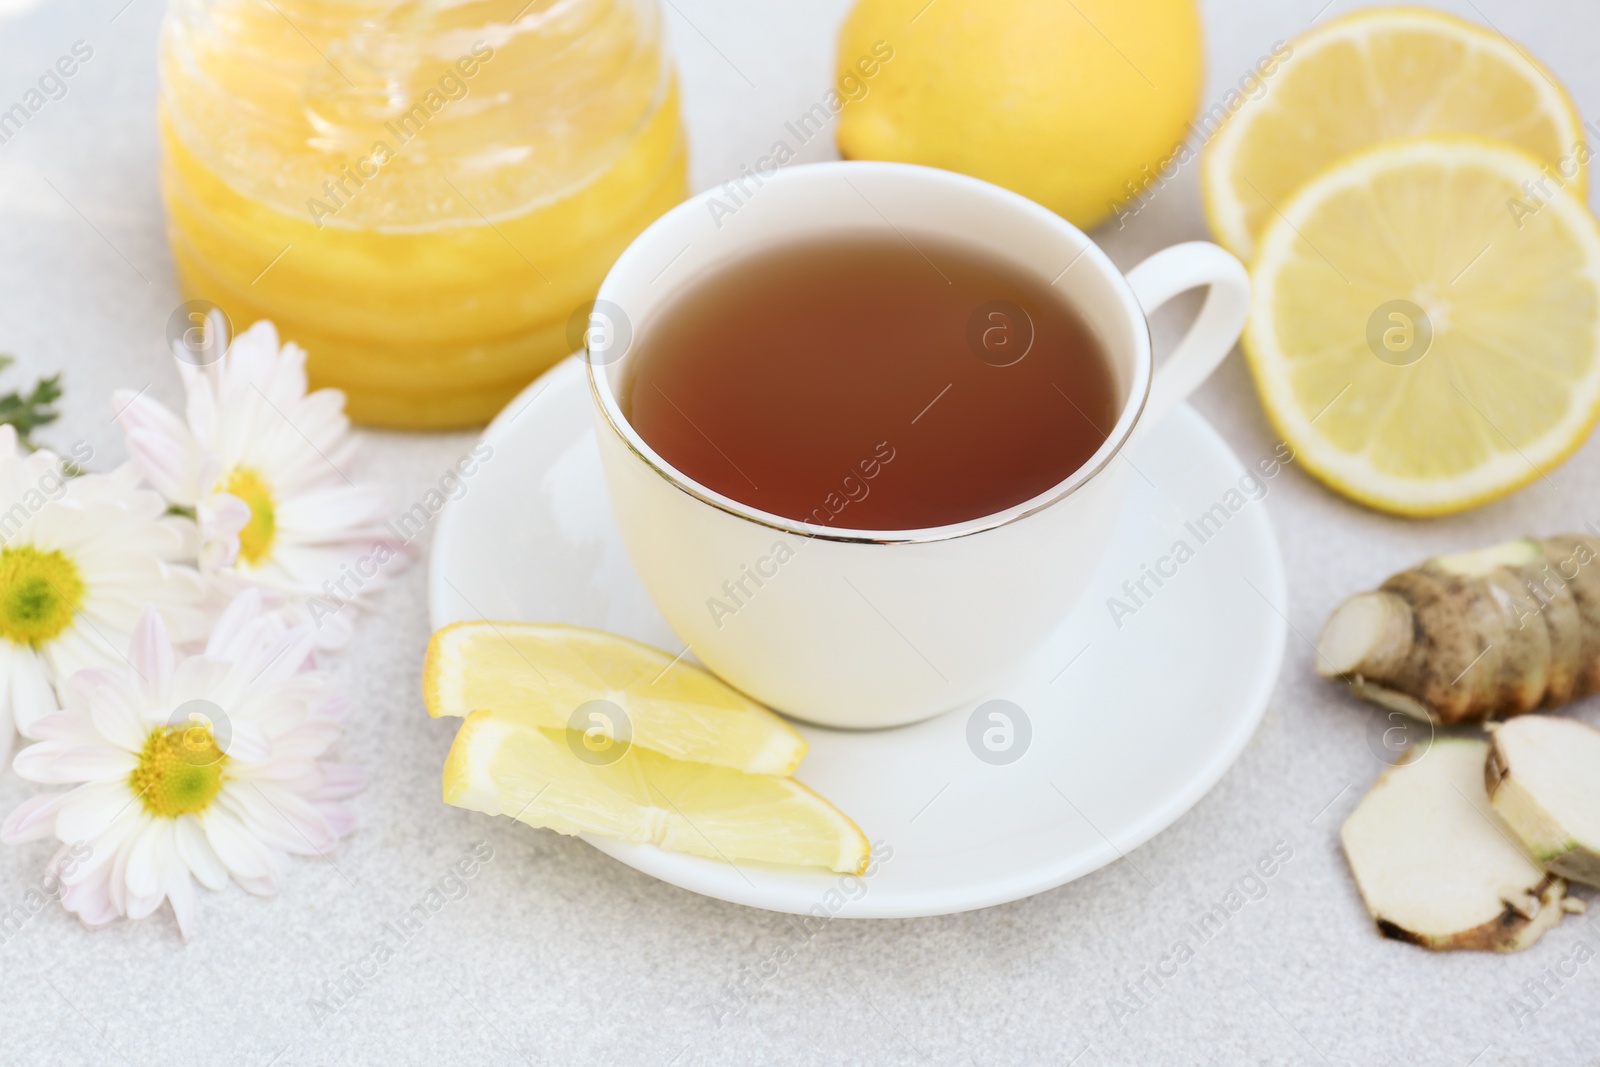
(1480, 635)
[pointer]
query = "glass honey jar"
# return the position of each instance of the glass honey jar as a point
(422, 194)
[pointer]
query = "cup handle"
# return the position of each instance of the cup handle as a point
(1176, 270)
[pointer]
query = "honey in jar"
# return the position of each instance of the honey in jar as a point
(423, 195)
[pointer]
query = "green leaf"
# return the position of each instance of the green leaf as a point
(27, 411)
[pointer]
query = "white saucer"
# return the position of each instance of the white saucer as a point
(1130, 726)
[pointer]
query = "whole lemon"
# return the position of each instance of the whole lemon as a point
(1064, 101)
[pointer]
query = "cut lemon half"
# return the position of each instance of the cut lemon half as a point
(611, 689)
(1371, 76)
(1422, 334)
(499, 766)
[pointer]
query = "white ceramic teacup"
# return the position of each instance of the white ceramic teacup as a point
(864, 628)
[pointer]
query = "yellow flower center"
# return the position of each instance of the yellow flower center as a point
(39, 591)
(179, 771)
(255, 540)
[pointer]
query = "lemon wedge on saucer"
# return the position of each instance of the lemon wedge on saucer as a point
(1374, 75)
(1425, 334)
(541, 777)
(608, 688)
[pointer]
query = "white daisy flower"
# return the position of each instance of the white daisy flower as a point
(194, 770)
(262, 464)
(80, 558)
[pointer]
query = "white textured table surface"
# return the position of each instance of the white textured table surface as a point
(560, 955)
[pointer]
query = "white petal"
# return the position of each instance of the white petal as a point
(200, 408)
(141, 906)
(118, 720)
(35, 762)
(90, 900)
(100, 853)
(69, 524)
(287, 655)
(270, 883)
(170, 467)
(28, 682)
(117, 883)
(240, 852)
(189, 621)
(332, 514)
(82, 685)
(142, 873)
(246, 742)
(92, 808)
(279, 819)
(7, 652)
(161, 445)
(80, 647)
(125, 541)
(235, 620)
(203, 678)
(150, 652)
(183, 532)
(299, 776)
(307, 741)
(8, 733)
(73, 726)
(35, 818)
(222, 516)
(196, 852)
(180, 891)
(59, 762)
(339, 780)
(261, 887)
(341, 819)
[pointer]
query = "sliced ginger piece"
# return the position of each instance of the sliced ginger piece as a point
(1543, 778)
(1435, 867)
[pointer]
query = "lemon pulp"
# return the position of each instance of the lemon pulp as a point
(566, 677)
(1489, 377)
(1375, 75)
(501, 767)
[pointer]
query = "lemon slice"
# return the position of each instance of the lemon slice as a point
(609, 688)
(1371, 76)
(499, 766)
(1423, 334)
